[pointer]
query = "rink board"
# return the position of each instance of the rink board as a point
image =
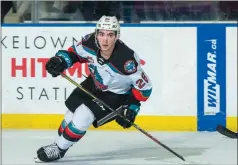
(52, 121)
(191, 92)
(150, 123)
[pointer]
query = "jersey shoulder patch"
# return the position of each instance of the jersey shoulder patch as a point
(130, 66)
(123, 59)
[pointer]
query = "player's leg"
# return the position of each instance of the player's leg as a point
(76, 129)
(87, 113)
(70, 124)
(73, 132)
(67, 119)
(76, 98)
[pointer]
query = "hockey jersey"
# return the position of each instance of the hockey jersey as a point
(120, 74)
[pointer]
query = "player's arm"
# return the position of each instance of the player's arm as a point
(141, 85)
(64, 59)
(141, 89)
(140, 92)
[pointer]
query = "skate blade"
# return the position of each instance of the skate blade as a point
(37, 160)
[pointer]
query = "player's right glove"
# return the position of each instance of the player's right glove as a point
(58, 63)
(55, 66)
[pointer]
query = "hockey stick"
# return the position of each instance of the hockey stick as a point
(109, 116)
(133, 124)
(226, 132)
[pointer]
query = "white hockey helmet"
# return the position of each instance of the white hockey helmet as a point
(108, 23)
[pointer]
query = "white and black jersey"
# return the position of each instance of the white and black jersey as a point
(119, 74)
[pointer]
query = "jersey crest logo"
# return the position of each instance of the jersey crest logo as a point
(97, 78)
(130, 66)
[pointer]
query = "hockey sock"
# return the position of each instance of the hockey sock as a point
(76, 129)
(62, 127)
(70, 136)
(67, 119)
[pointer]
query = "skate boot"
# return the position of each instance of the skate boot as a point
(49, 153)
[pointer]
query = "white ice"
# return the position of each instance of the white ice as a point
(123, 148)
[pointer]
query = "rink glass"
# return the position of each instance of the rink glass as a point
(125, 11)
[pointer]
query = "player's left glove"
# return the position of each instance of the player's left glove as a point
(129, 112)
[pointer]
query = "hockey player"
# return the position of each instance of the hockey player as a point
(116, 78)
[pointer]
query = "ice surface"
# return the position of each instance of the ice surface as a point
(123, 148)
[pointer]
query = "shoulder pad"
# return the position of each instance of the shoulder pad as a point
(89, 41)
(123, 59)
(87, 37)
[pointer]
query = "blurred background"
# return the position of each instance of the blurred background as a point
(125, 11)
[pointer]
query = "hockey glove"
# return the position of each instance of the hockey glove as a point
(56, 65)
(129, 112)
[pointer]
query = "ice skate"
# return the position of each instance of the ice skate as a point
(49, 153)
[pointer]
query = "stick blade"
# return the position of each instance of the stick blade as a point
(226, 132)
